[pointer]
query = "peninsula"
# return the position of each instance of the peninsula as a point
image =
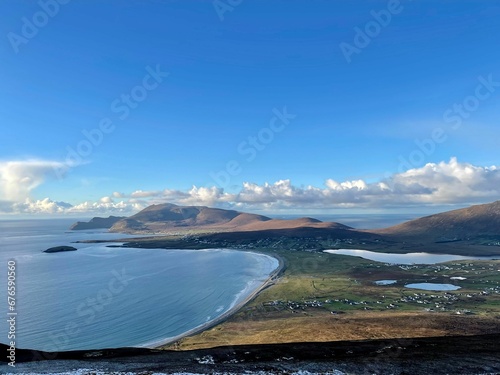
(469, 231)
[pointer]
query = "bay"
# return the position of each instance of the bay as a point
(98, 297)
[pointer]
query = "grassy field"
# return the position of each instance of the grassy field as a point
(324, 297)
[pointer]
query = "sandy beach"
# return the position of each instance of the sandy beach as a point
(220, 319)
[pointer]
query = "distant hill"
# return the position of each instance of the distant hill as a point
(473, 230)
(97, 223)
(462, 224)
(475, 222)
(168, 217)
(305, 222)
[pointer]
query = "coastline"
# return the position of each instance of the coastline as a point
(265, 270)
(271, 280)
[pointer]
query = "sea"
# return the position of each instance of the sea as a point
(105, 297)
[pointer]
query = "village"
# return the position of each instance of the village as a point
(476, 292)
(478, 282)
(429, 302)
(276, 242)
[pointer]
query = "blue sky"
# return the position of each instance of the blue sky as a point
(331, 129)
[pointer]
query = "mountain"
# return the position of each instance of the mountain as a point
(97, 223)
(305, 222)
(470, 231)
(462, 224)
(168, 217)
(475, 222)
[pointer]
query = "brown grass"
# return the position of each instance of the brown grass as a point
(321, 326)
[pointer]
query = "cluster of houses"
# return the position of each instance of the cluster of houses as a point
(270, 243)
(283, 242)
(429, 302)
(294, 306)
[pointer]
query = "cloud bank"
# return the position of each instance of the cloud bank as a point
(444, 183)
(19, 178)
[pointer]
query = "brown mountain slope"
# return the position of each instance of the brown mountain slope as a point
(167, 217)
(305, 222)
(470, 231)
(476, 223)
(244, 219)
(470, 222)
(170, 217)
(97, 223)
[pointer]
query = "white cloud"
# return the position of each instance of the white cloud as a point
(43, 206)
(106, 206)
(205, 196)
(444, 183)
(19, 178)
(145, 194)
(433, 184)
(452, 182)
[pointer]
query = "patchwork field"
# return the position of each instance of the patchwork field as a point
(325, 297)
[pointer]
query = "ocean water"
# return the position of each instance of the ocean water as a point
(101, 297)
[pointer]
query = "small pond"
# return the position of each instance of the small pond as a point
(433, 286)
(385, 282)
(409, 258)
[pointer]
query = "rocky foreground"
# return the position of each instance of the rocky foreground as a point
(436, 355)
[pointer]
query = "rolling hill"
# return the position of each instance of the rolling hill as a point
(97, 223)
(475, 229)
(164, 218)
(462, 224)
(170, 217)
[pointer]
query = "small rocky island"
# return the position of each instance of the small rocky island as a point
(59, 249)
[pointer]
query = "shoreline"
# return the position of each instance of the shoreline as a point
(268, 279)
(271, 280)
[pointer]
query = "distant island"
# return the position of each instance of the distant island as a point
(60, 249)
